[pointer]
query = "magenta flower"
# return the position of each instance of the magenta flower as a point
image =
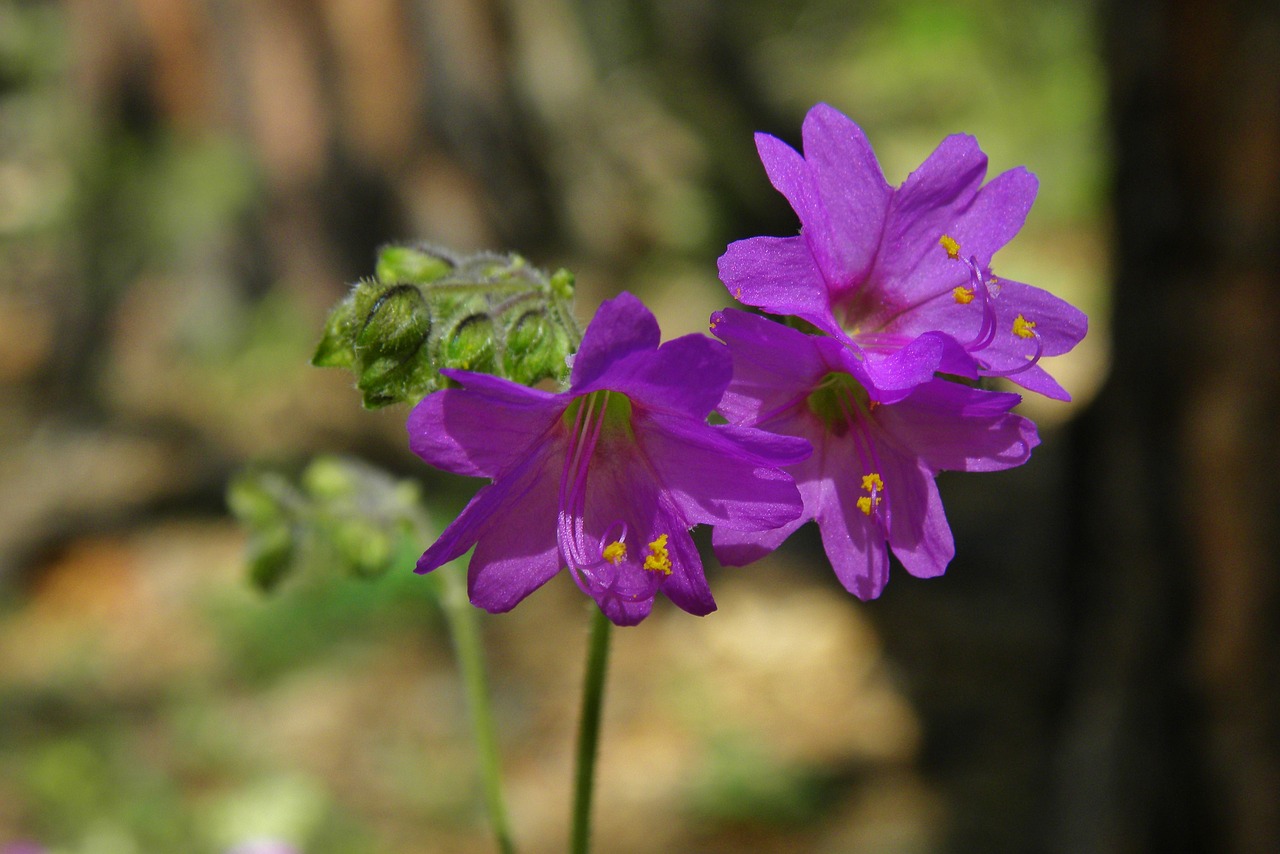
(606, 478)
(870, 480)
(879, 267)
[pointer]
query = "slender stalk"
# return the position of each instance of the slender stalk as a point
(589, 730)
(465, 629)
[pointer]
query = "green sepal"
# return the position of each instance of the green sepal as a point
(428, 309)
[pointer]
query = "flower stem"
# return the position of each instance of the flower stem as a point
(465, 629)
(589, 730)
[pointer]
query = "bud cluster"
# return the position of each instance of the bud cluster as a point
(427, 308)
(341, 514)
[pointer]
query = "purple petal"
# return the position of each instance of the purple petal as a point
(918, 530)
(720, 475)
(1059, 325)
(687, 375)
(1037, 379)
(996, 215)
(623, 494)
(625, 612)
(852, 540)
(791, 176)
(895, 373)
(687, 586)
(924, 208)
(621, 326)
(952, 427)
(778, 275)
(739, 548)
(512, 524)
(481, 429)
(774, 366)
(853, 192)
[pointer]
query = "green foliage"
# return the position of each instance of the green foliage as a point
(428, 309)
(342, 514)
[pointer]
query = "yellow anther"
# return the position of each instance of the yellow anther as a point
(1023, 328)
(964, 296)
(950, 244)
(874, 485)
(615, 552)
(658, 560)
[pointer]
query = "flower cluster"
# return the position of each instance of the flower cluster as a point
(846, 423)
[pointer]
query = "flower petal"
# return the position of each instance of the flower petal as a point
(996, 215)
(852, 540)
(774, 366)
(918, 530)
(952, 427)
(520, 557)
(923, 209)
(1059, 325)
(687, 375)
(687, 586)
(482, 428)
(739, 548)
(778, 275)
(853, 193)
(621, 326)
(723, 475)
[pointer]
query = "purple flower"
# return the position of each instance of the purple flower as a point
(870, 479)
(606, 478)
(879, 267)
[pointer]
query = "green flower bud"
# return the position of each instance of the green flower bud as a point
(412, 265)
(471, 345)
(270, 556)
(366, 548)
(337, 347)
(536, 347)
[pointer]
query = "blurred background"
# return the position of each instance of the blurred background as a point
(186, 186)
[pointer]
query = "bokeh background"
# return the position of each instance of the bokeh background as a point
(186, 186)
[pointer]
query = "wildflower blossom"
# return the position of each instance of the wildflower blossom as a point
(879, 266)
(606, 478)
(870, 480)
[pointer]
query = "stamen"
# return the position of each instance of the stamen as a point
(986, 332)
(615, 552)
(658, 560)
(1024, 328)
(962, 295)
(950, 244)
(1029, 328)
(874, 486)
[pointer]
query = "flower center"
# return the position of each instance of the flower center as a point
(846, 409)
(599, 565)
(839, 400)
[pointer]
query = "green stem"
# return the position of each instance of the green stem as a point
(589, 730)
(464, 626)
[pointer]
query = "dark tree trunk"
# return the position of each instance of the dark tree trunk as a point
(1169, 742)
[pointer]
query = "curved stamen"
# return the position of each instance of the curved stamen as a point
(987, 331)
(1030, 363)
